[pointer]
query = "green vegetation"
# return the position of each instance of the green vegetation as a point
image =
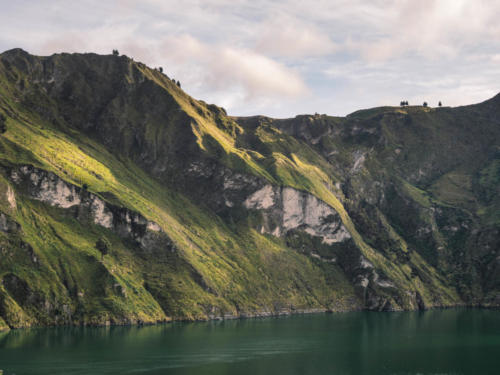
(402, 180)
(103, 245)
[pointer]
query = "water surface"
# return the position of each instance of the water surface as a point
(458, 341)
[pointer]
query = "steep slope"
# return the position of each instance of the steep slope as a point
(213, 216)
(429, 174)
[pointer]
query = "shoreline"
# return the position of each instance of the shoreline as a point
(262, 315)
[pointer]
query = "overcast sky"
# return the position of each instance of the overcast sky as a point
(282, 58)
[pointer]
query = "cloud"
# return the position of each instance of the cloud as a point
(430, 29)
(283, 57)
(285, 36)
(208, 69)
(226, 67)
(70, 42)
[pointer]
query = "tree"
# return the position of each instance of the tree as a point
(160, 69)
(115, 52)
(425, 104)
(401, 103)
(103, 245)
(406, 103)
(440, 104)
(178, 84)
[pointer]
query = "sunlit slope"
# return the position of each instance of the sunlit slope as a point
(431, 174)
(127, 134)
(215, 270)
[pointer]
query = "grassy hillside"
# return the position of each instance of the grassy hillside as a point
(400, 180)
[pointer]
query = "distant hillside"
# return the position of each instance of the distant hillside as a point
(124, 200)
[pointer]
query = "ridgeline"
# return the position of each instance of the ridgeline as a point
(126, 201)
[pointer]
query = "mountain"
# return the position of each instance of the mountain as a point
(124, 200)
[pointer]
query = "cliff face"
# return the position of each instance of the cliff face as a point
(211, 216)
(47, 187)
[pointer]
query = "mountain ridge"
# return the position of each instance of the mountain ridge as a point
(414, 189)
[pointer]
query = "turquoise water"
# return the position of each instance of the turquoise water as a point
(458, 341)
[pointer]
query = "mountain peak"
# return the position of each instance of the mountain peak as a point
(14, 51)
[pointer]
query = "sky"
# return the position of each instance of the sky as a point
(283, 58)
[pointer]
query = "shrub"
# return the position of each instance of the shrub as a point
(3, 127)
(103, 245)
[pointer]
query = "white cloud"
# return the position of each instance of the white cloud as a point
(227, 67)
(283, 57)
(288, 37)
(431, 29)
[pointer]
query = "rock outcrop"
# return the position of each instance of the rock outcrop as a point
(285, 209)
(49, 188)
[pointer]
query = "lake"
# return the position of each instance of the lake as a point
(455, 341)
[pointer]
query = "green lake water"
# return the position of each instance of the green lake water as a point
(456, 341)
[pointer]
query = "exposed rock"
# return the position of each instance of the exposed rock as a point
(359, 159)
(285, 209)
(262, 199)
(11, 197)
(7, 224)
(364, 263)
(100, 213)
(51, 189)
(323, 259)
(228, 187)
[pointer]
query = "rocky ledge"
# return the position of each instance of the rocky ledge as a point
(49, 188)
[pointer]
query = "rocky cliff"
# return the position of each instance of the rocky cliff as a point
(212, 216)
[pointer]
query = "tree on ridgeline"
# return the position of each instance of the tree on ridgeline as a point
(425, 104)
(115, 52)
(440, 104)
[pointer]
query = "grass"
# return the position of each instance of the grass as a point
(218, 267)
